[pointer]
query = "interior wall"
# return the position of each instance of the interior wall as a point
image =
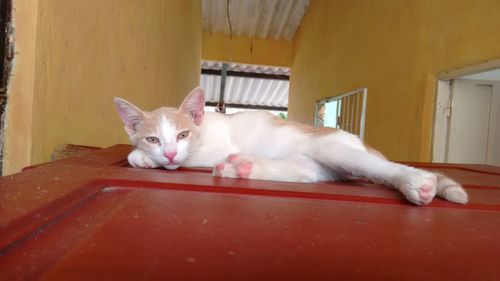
(396, 49)
(86, 53)
(243, 49)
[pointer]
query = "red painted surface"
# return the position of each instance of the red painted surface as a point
(94, 218)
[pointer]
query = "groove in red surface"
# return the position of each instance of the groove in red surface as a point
(119, 184)
(55, 218)
(446, 167)
(32, 221)
(480, 187)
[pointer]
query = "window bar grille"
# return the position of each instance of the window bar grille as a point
(351, 111)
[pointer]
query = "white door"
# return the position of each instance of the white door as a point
(472, 124)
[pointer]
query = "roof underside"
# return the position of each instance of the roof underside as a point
(276, 19)
(265, 19)
(247, 90)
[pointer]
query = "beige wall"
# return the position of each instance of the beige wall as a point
(86, 53)
(396, 49)
(243, 49)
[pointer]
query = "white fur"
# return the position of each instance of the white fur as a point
(215, 141)
(138, 159)
(168, 133)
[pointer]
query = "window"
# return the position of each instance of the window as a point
(346, 112)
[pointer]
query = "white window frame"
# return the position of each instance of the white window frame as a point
(358, 118)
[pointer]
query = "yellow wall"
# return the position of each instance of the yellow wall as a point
(86, 53)
(395, 49)
(243, 49)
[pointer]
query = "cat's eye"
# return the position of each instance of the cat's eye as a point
(153, 140)
(183, 135)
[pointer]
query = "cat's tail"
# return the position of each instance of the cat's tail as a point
(450, 190)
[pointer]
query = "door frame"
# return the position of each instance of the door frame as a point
(442, 105)
(6, 63)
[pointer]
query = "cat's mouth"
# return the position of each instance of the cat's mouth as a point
(171, 166)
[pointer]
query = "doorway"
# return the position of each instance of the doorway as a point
(467, 119)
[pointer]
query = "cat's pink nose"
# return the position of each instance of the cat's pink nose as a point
(170, 154)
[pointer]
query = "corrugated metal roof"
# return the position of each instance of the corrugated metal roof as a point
(277, 19)
(245, 90)
(249, 68)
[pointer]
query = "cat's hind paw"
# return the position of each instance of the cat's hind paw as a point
(418, 186)
(234, 166)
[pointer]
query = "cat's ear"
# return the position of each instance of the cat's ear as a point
(194, 105)
(130, 114)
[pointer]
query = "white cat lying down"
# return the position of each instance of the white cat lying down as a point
(258, 145)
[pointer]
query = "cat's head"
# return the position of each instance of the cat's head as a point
(166, 134)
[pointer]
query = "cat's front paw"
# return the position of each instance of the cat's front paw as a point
(418, 186)
(138, 159)
(234, 166)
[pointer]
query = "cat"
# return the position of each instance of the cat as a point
(259, 145)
